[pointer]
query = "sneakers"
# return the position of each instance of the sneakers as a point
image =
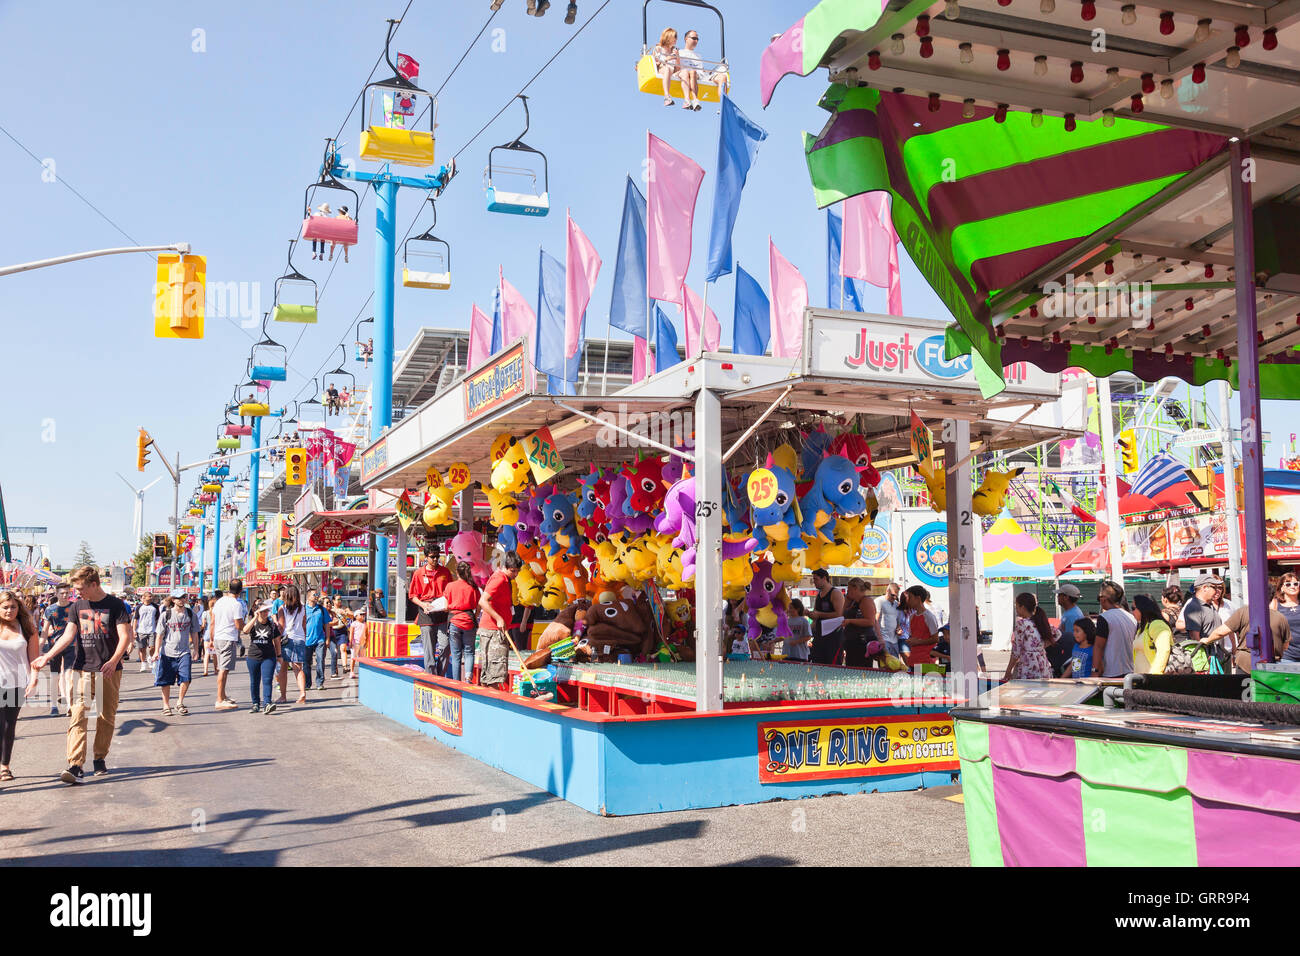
(256, 709)
(270, 708)
(72, 775)
(54, 712)
(226, 705)
(143, 667)
(101, 768)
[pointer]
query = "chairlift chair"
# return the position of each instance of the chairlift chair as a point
(517, 203)
(268, 361)
(396, 140)
(338, 374)
(329, 228)
(294, 285)
(710, 82)
(303, 409)
(439, 253)
(361, 355)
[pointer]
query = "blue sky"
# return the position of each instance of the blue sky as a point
(215, 148)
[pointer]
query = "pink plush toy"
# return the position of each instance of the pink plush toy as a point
(467, 548)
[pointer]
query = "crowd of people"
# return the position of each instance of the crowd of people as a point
(81, 636)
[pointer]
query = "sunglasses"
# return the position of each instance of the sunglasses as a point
(692, 36)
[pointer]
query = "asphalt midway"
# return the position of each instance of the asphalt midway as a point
(331, 782)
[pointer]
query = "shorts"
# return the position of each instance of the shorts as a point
(227, 655)
(171, 670)
(144, 640)
(295, 652)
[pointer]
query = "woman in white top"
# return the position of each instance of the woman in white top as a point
(665, 56)
(19, 646)
(293, 646)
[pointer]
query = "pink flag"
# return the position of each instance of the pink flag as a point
(581, 266)
(712, 327)
(789, 299)
(640, 358)
(480, 338)
(870, 249)
(517, 317)
(670, 212)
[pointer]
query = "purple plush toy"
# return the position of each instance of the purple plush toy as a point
(765, 593)
(678, 519)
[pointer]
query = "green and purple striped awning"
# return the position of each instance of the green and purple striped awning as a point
(980, 205)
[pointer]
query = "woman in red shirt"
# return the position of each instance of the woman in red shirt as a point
(462, 600)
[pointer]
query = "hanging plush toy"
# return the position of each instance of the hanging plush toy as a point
(504, 517)
(646, 481)
(737, 572)
(678, 521)
(609, 562)
(467, 548)
(788, 566)
(619, 512)
(558, 525)
(639, 554)
(847, 546)
(766, 595)
(675, 465)
(776, 509)
(530, 513)
(816, 445)
(620, 627)
(669, 567)
(526, 588)
(534, 556)
(590, 514)
(735, 507)
(566, 582)
(834, 491)
(510, 474)
(934, 484)
(438, 509)
(855, 448)
(992, 492)
(786, 457)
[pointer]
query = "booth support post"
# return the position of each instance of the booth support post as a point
(1113, 528)
(399, 599)
(708, 563)
(381, 390)
(962, 632)
(1240, 176)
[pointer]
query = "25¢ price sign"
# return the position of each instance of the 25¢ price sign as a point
(543, 457)
(761, 488)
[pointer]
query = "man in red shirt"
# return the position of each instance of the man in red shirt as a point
(427, 585)
(494, 622)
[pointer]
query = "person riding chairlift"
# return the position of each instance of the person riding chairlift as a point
(318, 245)
(343, 214)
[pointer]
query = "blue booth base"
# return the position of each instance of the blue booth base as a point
(620, 765)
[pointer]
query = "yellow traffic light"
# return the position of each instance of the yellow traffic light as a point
(295, 466)
(1128, 451)
(179, 293)
(142, 443)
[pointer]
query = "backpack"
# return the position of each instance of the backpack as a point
(1191, 657)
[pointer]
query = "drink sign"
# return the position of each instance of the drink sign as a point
(922, 446)
(543, 457)
(761, 488)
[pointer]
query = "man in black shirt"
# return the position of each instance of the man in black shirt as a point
(100, 626)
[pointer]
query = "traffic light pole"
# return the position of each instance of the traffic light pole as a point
(176, 517)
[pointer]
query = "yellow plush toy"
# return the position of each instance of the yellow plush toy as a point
(789, 566)
(848, 541)
(510, 474)
(499, 446)
(786, 457)
(438, 509)
(505, 510)
(566, 581)
(527, 588)
(938, 493)
(668, 567)
(737, 572)
(992, 492)
(639, 554)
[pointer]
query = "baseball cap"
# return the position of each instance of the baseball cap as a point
(1069, 590)
(1205, 579)
(178, 592)
(874, 647)
(266, 606)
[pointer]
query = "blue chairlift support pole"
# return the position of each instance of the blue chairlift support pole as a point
(386, 184)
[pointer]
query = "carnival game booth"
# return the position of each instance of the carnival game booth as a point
(739, 732)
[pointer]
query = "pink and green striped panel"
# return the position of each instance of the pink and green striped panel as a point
(1040, 799)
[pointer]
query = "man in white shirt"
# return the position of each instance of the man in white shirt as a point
(227, 621)
(1112, 651)
(888, 616)
(146, 621)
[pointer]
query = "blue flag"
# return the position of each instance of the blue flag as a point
(561, 373)
(853, 288)
(738, 139)
(666, 345)
(752, 325)
(627, 306)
